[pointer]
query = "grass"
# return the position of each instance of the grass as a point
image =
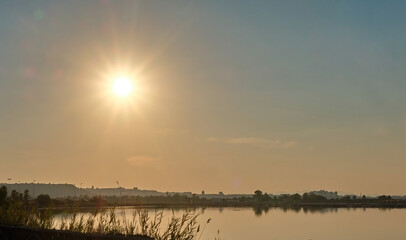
(19, 211)
(17, 215)
(141, 222)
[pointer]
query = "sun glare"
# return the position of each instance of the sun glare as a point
(122, 86)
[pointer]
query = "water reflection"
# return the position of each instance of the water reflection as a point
(385, 209)
(240, 223)
(320, 210)
(259, 211)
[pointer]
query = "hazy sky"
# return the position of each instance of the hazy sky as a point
(231, 96)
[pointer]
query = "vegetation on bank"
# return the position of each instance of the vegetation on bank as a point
(257, 199)
(18, 210)
(311, 199)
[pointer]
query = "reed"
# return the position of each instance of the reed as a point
(19, 212)
(185, 227)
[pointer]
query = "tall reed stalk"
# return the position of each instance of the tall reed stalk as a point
(185, 227)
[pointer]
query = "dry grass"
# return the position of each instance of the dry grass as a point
(141, 222)
(106, 222)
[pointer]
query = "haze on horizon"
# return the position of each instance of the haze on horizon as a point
(230, 96)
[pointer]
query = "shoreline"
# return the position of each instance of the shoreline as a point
(261, 206)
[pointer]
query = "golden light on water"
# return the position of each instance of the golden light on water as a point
(122, 86)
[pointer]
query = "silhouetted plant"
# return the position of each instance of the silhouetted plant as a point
(3, 195)
(179, 228)
(44, 200)
(258, 195)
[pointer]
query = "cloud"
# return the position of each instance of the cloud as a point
(256, 142)
(142, 161)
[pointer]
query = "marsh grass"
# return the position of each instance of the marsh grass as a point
(185, 227)
(104, 221)
(18, 215)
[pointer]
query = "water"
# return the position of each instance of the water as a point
(294, 224)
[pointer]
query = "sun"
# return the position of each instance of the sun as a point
(122, 86)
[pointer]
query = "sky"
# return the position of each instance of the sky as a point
(232, 96)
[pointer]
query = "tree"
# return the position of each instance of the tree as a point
(311, 197)
(384, 197)
(258, 195)
(305, 196)
(26, 195)
(3, 194)
(296, 197)
(346, 198)
(44, 200)
(266, 197)
(14, 195)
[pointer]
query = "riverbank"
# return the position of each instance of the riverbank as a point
(22, 232)
(186, 202)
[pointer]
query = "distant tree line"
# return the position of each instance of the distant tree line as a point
(288, 198)
(23, 199)
(314, 198)
(257, 199)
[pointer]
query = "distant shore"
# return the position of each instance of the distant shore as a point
(249, 204)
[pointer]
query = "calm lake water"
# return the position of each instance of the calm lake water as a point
(289, 224)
